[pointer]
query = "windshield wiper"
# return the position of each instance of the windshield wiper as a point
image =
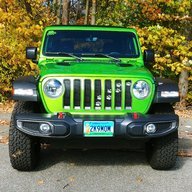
(65, 54)
(102, 54)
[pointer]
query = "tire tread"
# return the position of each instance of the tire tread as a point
(23, 149)
(162, 153)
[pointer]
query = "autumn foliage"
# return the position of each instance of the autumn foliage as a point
(21, 25)
(163, 25)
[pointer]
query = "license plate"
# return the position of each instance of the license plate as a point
(98, 128)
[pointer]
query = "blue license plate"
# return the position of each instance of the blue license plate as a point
(98, 128)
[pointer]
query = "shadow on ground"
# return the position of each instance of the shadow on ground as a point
(51, 157)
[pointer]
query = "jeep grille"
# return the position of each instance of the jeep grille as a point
(96, 94)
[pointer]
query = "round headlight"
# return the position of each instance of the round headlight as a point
(141, 89)
(53, 88)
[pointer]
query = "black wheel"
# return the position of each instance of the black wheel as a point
(162, 152)
(23, 149)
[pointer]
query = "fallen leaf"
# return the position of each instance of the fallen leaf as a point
(184, 113)
(185, 134)
(4, 139)
(40, 182)
(4, 122)
(139, 179)
(185, 153)
(71, 179)
(7, 106)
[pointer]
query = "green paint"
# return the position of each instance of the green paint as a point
(93, 68)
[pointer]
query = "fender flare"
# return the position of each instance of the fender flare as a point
(164, 86)
(25, 89)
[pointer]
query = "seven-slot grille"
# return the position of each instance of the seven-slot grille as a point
(96, 94)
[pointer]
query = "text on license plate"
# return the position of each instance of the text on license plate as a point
(98, 128)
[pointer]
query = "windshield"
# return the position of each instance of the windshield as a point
(90, 43)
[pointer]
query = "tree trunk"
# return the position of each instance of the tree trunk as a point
(65, 14)
(183, 78)
(77, 12)
(183, 88)
(93, 12)
(28, 7)
(86, 12)
(57, 6)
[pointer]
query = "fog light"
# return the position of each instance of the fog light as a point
(19, 124)
(45, 128)
(150, 128)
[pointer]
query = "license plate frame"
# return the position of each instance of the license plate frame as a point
(98, 128)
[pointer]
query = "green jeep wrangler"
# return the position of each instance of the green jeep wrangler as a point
(94, 89)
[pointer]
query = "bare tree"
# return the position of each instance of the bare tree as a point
(65, 14)
(183, 88)
(184, 75)
(86, 12)
(94, 4)
(57, 10)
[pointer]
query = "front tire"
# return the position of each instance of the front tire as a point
(23, 149)
(162, 152)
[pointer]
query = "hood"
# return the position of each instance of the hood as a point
(107, 69)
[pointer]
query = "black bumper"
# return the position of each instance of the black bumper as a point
(128, 126)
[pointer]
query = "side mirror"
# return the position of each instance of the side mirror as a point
(31, 53)
(149, 56)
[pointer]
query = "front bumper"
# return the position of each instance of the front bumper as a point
(128, 126)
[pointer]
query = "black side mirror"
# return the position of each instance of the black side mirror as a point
(31, 53)
(149, 56)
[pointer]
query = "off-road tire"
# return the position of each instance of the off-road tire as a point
(23, 149)
(162, 152)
